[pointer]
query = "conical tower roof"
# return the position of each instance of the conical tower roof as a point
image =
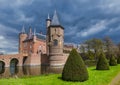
(55, 20)
(34, 32)
(48, 16)
(23, 29)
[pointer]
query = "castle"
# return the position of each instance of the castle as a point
(44, 49)
(38, 49)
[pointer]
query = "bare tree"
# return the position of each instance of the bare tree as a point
(82, 48)
(111, 48)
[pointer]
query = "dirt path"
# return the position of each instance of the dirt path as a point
(115, 80)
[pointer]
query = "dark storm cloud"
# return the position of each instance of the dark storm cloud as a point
(82, 19)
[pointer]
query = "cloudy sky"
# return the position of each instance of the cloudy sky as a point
(82, 19)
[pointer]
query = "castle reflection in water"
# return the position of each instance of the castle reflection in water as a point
(27, 71)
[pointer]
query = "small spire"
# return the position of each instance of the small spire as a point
(34, 32)
(30, 33)
(23, 29)
(55, 20)
(48, 16)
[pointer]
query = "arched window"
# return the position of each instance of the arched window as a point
(55, 42)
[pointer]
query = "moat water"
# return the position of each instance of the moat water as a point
(15, 71)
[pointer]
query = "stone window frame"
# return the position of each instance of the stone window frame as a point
(55, 42)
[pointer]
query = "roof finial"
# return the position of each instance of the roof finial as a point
(55, 20)
(48, 16)
(23, 29)
(30, 33)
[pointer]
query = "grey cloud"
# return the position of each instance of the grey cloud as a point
(82, 19)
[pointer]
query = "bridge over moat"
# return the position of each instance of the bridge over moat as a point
(20, 60)
(9, 63)
(7, 59)
(12, 61)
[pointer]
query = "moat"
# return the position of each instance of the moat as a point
(27, 71)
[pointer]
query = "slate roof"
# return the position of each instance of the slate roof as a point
(41, 36)
(55, 20)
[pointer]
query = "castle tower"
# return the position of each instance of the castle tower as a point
(48, 22)
(55, 42)
(22, 37)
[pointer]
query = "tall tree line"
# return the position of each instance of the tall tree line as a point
(93, 47)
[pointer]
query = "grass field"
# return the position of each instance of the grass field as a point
(95, 78)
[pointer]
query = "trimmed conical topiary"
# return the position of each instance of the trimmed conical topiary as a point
(102, 63)
(112, 61)
(74, 69)
(118, 60)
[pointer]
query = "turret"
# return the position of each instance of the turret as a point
(55, 41)
(22, 37)
(56, 35)
(48, 21)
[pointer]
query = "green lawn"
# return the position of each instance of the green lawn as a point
(95, 78)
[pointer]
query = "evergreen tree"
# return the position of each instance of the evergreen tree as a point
(74, 69)
(112, 61)
(102, 63)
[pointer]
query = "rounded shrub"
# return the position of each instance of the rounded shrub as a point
(102, 63)
(74, 69)
(118, 60)
(112, 61)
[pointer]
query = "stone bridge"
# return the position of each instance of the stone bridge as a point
(7, 59)
(13, 60)
(22, 60)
